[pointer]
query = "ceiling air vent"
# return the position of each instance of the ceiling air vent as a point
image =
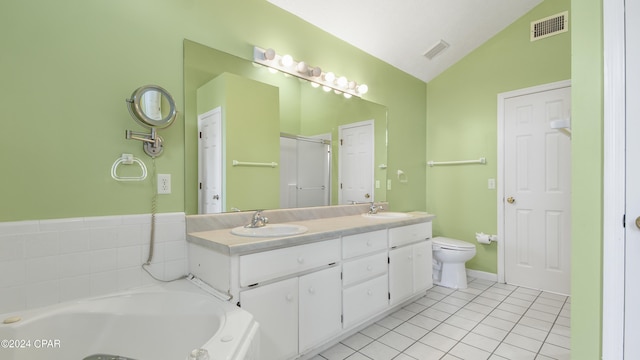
(550, 26)
(436, 49)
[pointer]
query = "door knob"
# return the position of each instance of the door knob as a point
(638, 222)
(366, 196)
(511, 200)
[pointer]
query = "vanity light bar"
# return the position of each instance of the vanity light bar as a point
(327, 80)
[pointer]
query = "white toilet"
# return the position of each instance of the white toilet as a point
(449, 256)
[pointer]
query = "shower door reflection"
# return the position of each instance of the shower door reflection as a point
(305, 170)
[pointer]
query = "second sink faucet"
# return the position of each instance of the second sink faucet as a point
(373, 209)
(257, 220)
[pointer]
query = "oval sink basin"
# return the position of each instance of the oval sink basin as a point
(388, 215)
(270, 230)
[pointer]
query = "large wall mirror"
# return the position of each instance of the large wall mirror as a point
(303, 113)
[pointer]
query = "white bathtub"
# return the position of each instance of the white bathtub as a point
(152, 323)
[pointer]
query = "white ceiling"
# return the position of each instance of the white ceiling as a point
(400, 32)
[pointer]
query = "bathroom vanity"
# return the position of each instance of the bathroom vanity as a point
(309, 290)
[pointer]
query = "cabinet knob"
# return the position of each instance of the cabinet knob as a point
(289, 297)
(368, 242)
(312, 290)
(369, 292)
(300, 260)
(369, 268)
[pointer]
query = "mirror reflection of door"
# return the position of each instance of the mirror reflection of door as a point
(356, 162)
(210, 169)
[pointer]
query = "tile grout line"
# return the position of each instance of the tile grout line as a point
(549, 333)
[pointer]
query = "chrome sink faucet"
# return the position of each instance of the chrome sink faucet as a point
(373, 209)
(257, 220)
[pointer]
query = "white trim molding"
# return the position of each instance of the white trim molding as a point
(613, 261)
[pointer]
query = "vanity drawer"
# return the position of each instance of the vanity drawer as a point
(272, 264)
(364, 268)
(364, 243)
(364, 300)
(409, 234)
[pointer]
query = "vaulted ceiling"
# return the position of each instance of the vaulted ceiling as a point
(401, 32)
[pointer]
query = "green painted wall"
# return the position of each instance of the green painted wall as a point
(587, 171)
(68, 66)
(462, 124)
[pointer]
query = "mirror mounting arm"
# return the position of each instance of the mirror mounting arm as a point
(152, 143)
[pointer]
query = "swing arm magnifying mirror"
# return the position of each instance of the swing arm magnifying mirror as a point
(152, 107)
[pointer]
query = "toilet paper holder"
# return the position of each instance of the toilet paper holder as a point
(483, 238)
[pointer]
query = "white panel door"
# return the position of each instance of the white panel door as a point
(275, 308)
(632, 230)
(537, 190)
(210, 169)
(320, 295)
(356, 162)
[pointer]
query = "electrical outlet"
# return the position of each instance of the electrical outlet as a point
(164, 183)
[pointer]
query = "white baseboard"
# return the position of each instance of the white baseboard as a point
(482, 275)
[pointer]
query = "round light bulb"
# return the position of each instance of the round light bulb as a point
(315, 71)
(302, 67)
(342, 82)
(347, 95)
(352, 85)
(269, 54)
(363, 88)
(315, 85)
(326, 88)
(329, 77)
(286, 60)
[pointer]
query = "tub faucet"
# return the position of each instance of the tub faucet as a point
(373, 209)
(257, 220)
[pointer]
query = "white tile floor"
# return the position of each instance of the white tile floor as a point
(485, 321)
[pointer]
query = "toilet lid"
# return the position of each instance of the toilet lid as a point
(448, 243)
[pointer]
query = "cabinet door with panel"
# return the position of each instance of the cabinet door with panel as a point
(422, 266)
(400, 274)
(275, 308)
(320, 307)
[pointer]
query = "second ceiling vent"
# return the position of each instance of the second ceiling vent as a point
(549, 26)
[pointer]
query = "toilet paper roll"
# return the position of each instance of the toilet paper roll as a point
(483, 238)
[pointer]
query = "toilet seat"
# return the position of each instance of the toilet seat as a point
(452, 244)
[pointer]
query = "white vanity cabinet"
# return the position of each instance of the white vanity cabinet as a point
(300, 312)
(410, 261)
(310, 290)
(364, 276)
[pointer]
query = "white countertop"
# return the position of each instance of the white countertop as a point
(223, 241)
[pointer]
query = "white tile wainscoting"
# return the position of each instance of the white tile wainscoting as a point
(43, 262)
(487, 320)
